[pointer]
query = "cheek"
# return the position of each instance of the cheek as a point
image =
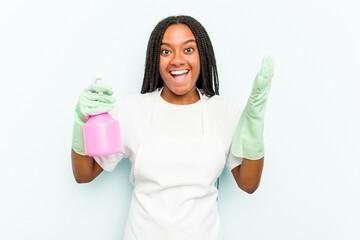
(162, 68)
(197, 66)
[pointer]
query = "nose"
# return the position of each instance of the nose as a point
(177, 60)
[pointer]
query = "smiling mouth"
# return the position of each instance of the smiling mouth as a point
(179, 75)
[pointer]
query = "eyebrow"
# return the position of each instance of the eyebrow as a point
(187, 41)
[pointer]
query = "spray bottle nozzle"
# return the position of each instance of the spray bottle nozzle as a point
(98, 78)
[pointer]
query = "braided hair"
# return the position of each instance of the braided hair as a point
(208, 77)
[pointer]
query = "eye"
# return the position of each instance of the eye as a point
(189, 49)
(165, 52)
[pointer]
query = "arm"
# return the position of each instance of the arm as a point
(248, 142)
(90, 102)
(85, 168)
(248, 174)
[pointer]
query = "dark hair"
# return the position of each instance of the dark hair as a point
(208, 78)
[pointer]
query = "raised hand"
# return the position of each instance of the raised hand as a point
(248, 139)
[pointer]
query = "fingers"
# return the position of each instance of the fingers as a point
(100, 98)
(267, 67)
(259, 84)
(91, 102)
(95, 96)
(264, 76)
(102, 108)
(261, 81)
(101, 87)
(88, 107)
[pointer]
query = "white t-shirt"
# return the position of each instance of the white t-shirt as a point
(174, 197)
(134, 115)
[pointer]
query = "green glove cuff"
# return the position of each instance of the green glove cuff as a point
(248, 140)
(77, 138)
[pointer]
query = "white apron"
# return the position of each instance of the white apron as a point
(174, 196)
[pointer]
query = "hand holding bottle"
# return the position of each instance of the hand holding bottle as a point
(95, 99)
(248, 139)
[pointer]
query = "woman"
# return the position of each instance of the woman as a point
(177, 134)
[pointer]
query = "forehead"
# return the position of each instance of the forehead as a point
(177, 33)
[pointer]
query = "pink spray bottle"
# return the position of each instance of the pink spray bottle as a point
(101, 134)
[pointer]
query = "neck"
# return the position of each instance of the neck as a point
(190, 97)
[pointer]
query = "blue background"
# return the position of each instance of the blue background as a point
(50, 51)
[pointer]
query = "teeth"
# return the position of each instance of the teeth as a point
(179, 72)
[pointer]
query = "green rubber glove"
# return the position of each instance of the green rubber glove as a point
(248, 140)
(93, 100)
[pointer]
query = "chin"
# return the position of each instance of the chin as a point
(180, 90)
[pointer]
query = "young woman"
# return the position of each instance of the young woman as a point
(178, 134)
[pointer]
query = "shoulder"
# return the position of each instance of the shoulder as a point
(223, 110)
(137, 100)
(134, 114)
(139, 97)
(221, 103)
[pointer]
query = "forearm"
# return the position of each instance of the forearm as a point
(85, 168)
(248, 174)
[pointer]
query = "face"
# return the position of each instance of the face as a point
(179, 64)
